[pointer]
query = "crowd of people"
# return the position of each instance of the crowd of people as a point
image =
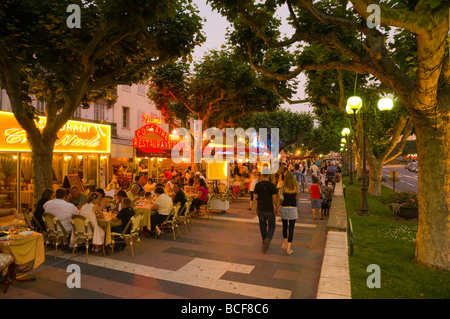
(160, 196)
(278, 194)
(275, 194)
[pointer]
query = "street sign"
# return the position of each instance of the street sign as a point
(394, 178)
(394, 173)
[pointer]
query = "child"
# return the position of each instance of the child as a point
(327, 195)
(124, 216)
(315, 192)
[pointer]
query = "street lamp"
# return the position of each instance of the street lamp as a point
(354, 104)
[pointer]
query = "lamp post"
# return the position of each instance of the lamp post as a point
(354, 104)
(345, 133)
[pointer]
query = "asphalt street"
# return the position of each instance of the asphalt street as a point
(408, 180)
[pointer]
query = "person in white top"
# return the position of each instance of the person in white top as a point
(315, 170)
(163, 205)
(61, 209)
(92, 211)
(254, 179)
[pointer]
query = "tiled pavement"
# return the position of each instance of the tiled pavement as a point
(220, 258)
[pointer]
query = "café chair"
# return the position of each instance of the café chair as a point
(6, 265)
(171, 222)
(206, 206)
(55, 236)
(131, 238)
(184, 216)
(32, 222)
(81, 226)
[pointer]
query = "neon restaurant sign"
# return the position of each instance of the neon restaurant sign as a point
(74, 136)
(151, 137)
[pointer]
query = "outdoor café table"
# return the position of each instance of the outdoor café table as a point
(146, 218)
(106, 224)
(27, 248)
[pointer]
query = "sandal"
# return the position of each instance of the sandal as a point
(290, 253)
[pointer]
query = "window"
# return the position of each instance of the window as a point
(77, 113)
(125, 117)
(126, 88)
(141, 89)
(99, 111)
(40, 106)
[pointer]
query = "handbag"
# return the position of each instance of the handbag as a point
(281, 196)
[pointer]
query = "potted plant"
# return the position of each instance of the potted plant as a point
(220, 201)
(405, 204)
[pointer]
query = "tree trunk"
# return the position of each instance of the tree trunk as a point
(433, 235)
(42, 169)
(375, 176)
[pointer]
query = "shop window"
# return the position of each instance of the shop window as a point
(8, 183)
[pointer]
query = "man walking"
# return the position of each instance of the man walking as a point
(266, 193)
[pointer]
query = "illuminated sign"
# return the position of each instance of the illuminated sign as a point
(151, 128)
(162, 142)
(148, 120)
(74, 136)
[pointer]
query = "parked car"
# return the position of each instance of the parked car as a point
(413, 167)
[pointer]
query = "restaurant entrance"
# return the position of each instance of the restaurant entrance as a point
(82, 149)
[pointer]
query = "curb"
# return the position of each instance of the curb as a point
(334, 281)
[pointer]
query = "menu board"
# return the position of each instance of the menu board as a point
(70, 180)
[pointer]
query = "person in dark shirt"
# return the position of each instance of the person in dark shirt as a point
(266, 193)
(124, 216)
(47, 194)
(180, 196)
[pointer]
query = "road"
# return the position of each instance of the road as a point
(408, 180)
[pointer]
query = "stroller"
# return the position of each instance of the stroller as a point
(326, 198)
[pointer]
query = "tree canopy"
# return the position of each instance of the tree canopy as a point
(220, 89)
(118, 42)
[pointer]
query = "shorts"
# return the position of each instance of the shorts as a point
(315, 203)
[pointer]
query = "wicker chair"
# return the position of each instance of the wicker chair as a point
(81, 226)
(132, 237)
(54, 235)
(184, 216)
(171, 221)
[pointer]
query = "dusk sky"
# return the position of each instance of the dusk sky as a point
(215, 29)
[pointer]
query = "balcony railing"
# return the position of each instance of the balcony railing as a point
(113, 125)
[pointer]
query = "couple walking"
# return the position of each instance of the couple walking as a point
(266, 195)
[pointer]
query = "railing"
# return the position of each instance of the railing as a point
(113, 125)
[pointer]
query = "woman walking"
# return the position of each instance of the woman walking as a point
(288, 211)
(253, 181)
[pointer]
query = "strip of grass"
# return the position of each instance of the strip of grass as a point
(383, 240)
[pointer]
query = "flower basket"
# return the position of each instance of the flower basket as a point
(408, 212)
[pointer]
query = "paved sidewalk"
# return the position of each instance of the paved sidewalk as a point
(334, 280)
(220, 258)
